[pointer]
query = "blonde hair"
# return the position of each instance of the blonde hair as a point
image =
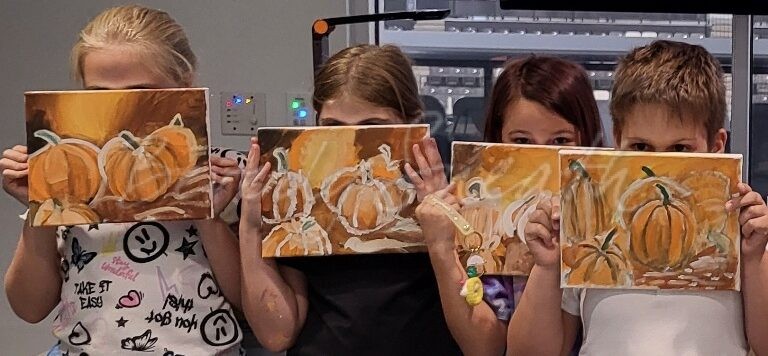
(158, 35)
(381, 76)
(683, 77)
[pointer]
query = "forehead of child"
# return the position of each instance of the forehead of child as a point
(122, 67)
(661, 125)
(350, 110)
(528, 117)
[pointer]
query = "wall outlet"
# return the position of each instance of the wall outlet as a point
(242, 112)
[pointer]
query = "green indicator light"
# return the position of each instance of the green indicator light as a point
(295, 104)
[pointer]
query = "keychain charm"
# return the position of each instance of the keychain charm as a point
(472, 286)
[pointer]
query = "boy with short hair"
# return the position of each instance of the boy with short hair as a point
(667, 97)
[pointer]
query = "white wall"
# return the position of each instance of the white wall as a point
(255, 45)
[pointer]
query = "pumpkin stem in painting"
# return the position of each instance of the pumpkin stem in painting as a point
(386, 151)
(307, 225)
(608, 239)
(176, 121)
(664, 193)
(366, 173)
(48, 136)
(648, 171)
(281, 154)
(576, 167)
(475, 188)
(130, 139)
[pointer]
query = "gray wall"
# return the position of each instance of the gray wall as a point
(250, 45)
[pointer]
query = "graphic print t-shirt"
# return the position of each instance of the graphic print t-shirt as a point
(141, 289)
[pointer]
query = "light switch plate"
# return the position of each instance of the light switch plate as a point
(242, 112)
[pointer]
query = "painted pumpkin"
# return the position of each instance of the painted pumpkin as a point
(286, 194)
(662, 232)
(320, 153)
(583, 202)
(53, 212)
(63, 168)
(299, 237)
(643, 191)
(363, 202)
(597, 261)
(143, 169)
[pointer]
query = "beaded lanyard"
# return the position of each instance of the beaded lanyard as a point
(472, 287)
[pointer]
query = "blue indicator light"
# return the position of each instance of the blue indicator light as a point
(302, 113)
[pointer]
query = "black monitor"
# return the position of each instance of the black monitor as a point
(736, 7)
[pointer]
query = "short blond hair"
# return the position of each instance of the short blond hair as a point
(152, 31)
(684, 77)
(378, 75)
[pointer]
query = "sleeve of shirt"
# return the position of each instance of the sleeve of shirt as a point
(501, 294)
(231, 213)
(571, 301)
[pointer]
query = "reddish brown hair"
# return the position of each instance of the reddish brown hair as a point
(557, 84)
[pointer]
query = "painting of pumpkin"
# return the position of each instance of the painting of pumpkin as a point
(66, 168)
(298, 237)
(286, 194)
(644, 190)
(363, 202)
(143, 169)
(597, 261)
(662, 232)
(53, 212)
(583, 199)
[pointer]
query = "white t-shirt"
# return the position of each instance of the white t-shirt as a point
(659, 323)
(141, 288)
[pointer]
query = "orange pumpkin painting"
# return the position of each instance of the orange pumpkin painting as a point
(656, 220)
(339, 190)
(118, 156)
(499, 186)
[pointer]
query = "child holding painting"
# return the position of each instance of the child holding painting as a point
(373, 304)
(536, 100)
(667, 96)
(152, 287)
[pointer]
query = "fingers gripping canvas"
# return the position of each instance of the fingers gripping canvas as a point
(339, 190)
(117, 156)
(639, 220)
(499, 186)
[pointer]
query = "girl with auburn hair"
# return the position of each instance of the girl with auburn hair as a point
(109, 300)
(386, 304)
(535, 100)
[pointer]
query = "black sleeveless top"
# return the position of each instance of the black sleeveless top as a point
(384, 304)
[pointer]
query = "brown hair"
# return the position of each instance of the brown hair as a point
(682, 76)
(559, 85)
(381, 76)
(153, 31)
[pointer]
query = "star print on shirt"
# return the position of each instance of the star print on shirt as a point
(192, 231)
(187, 248)
(121, 322)
(93, 227)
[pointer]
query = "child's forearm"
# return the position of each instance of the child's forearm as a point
(536, 327)
(33, 282)
(223, 252)
(476, 329)
(274, 305)
(755, 294)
